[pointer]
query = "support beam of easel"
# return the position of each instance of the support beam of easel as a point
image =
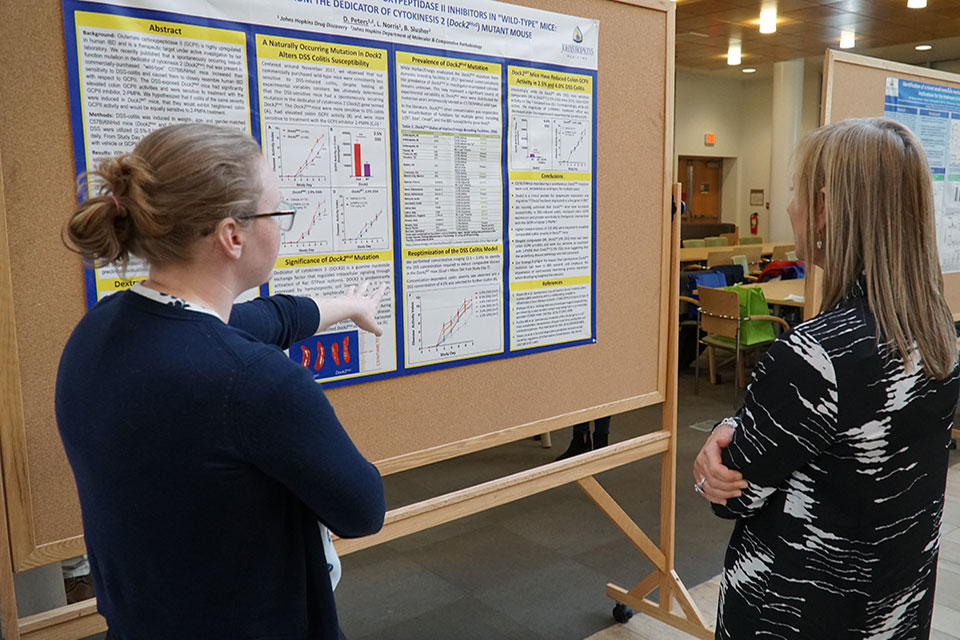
(8, 605)
(458, 504)
(693, 623)
(77, 620)
(662, 557)
(620, 518)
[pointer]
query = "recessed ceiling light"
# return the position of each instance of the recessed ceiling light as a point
(847, 39)
(923, 47)
(916, 4)
(733, 53)
(748, 70)
(768, 19)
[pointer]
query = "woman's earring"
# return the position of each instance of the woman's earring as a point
(819, 241)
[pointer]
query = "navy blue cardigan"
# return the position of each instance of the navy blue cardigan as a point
(203, 458)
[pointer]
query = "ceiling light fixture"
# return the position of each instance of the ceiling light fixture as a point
(768, 19)
(733, 53)
(916, 4)
(923, 47)
(847, 39)
(748, 70)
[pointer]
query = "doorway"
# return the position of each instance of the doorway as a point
(700, 179)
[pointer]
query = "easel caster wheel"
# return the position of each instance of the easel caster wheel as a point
(622, 613)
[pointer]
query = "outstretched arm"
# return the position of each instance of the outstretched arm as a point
(357, 303)
(282, 320)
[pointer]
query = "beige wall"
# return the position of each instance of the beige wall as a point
(723, 119)
(739, 112)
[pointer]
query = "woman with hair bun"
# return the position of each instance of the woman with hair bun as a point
(203, 455)
(835, 466)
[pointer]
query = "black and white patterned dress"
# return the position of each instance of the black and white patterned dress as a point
(846, 454)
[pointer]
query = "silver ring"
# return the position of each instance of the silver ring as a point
(698, 487)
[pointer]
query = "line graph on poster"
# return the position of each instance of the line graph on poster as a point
(312, 230)
(572, 147)
(361, 219)
(453, 323)
(299, 153)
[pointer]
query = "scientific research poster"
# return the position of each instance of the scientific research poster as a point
(444, 149)
(932, 112)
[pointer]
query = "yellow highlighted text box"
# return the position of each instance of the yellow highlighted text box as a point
(551, 80)
(443, 252)
(117, 284)
(568, 176)
(317, 52)
(158, 27)
(547, 283)
(458, 64)
(286, 262)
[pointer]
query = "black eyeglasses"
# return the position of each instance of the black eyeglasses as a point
(285, 216)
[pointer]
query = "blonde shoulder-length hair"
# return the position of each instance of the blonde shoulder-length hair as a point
(870, 176)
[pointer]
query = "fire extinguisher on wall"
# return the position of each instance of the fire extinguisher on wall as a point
(754, 223)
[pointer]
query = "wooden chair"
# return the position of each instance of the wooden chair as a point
(745, 263)
(751, 240)
(715, 241)
(733, 239)
(780, 251)
(719, 257)
(754, 259)
(693, 242)
(719, 317)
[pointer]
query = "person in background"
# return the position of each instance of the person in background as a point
(581, 442)
(835, 466)
(204, 457)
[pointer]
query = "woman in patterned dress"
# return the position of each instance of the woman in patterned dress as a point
(835, 466)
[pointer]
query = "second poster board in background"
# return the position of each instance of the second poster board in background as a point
(855, 86)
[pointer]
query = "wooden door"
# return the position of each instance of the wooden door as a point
(700, 178)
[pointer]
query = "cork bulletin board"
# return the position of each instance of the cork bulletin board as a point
(854, 87)
(401, 423)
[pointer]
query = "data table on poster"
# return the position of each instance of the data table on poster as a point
(452, 186)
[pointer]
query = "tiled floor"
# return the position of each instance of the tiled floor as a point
(536, 568)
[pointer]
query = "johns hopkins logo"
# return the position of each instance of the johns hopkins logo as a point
(577, 50)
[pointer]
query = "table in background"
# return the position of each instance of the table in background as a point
(699, 254)
(776, 291)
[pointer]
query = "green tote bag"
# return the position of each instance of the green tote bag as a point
(753, 303)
